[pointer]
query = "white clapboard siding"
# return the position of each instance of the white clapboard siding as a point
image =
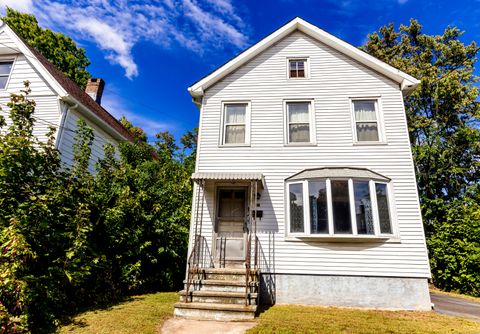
(67, 140)
(334, 78)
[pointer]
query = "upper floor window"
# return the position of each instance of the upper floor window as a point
(297, 68)
(5, 70)
(366, 120)
(235, 124)
(332, 205)
(299, 122)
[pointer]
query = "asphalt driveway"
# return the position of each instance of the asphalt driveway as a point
(450, 305)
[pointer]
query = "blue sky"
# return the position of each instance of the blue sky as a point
(149, 52)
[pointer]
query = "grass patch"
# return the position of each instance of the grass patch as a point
(329, 320)
(454, 294)
(140, 314)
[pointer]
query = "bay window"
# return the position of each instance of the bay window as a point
(339, 206)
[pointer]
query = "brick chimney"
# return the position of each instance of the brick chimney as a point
(95, 89)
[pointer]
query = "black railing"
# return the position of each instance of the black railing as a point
(199, 259)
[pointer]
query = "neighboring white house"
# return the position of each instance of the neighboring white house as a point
(311, 133)
(59, 101)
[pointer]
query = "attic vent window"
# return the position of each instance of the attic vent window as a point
(297, 68)
(5, 70)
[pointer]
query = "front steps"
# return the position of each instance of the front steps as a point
(219, 294)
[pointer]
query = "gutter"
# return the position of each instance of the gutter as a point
(70, 100)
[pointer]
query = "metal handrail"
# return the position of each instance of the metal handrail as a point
(199, 258)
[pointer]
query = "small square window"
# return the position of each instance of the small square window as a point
(297, 68)
(5, 70)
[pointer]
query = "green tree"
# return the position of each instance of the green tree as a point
(59, 49)
(443, 116)
(137, 132)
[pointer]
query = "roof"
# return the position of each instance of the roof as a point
(340, 172)
(228, 176)
(72, 89)
(407, 82)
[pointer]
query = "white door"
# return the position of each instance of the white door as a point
(231, 225)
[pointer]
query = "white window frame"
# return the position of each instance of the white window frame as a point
(311, 118)
(307, 67)
(353, 219)
(13, 60)
(378, 116)
(224, 125)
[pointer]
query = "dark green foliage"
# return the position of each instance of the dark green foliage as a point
(455, 247)
(70, 239)
(59, 49)
(443, 116)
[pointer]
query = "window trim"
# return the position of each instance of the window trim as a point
(379, 120)
(307, 67)
(224, 125)
(311, 118)
(13, 59)
(354, 236)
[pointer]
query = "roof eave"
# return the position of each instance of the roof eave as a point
(406, 82)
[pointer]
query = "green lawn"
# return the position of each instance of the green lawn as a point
(329, 320)
(140, 314)
(146, 314)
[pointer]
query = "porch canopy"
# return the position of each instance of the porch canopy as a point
(230, 177)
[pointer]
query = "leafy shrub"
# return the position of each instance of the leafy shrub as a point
(70, 239)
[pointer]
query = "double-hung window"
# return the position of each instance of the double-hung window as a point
(366, 120)
(299, 122)
(333, 206)
(5, 70)
(236, 124)
(297, 68)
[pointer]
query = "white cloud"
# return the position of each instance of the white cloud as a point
(118, 108)
(25, 6)
(117, 26)
(401, 2)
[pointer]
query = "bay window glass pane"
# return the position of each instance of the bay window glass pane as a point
(5, 67)
(235, 134)
(383, 209)
(367, 132)
(235, 113)
(299, 133)
(363, 207)
(318, 206)
(296, 207)
(341, 207)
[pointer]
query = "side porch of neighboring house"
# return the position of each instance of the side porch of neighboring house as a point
(225, 258)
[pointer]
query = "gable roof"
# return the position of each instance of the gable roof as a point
(407, 82)
(65, 87)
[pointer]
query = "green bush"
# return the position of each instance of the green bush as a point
(454, 247)
(70, 239)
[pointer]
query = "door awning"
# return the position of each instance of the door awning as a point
(224, 176)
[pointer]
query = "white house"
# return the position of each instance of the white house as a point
(310, 133)
(59, 101)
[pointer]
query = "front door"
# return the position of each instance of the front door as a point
(231, 226)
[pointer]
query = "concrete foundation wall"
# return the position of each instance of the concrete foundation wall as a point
(346, 291)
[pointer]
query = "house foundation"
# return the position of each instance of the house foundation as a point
(394, 293)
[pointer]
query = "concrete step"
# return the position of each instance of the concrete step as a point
(220, 297)
(217, 311)
(222, 285)
(228, 274)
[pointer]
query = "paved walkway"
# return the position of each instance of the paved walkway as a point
(186, 326)
(456, 306)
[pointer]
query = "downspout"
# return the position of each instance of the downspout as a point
(61, 127)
